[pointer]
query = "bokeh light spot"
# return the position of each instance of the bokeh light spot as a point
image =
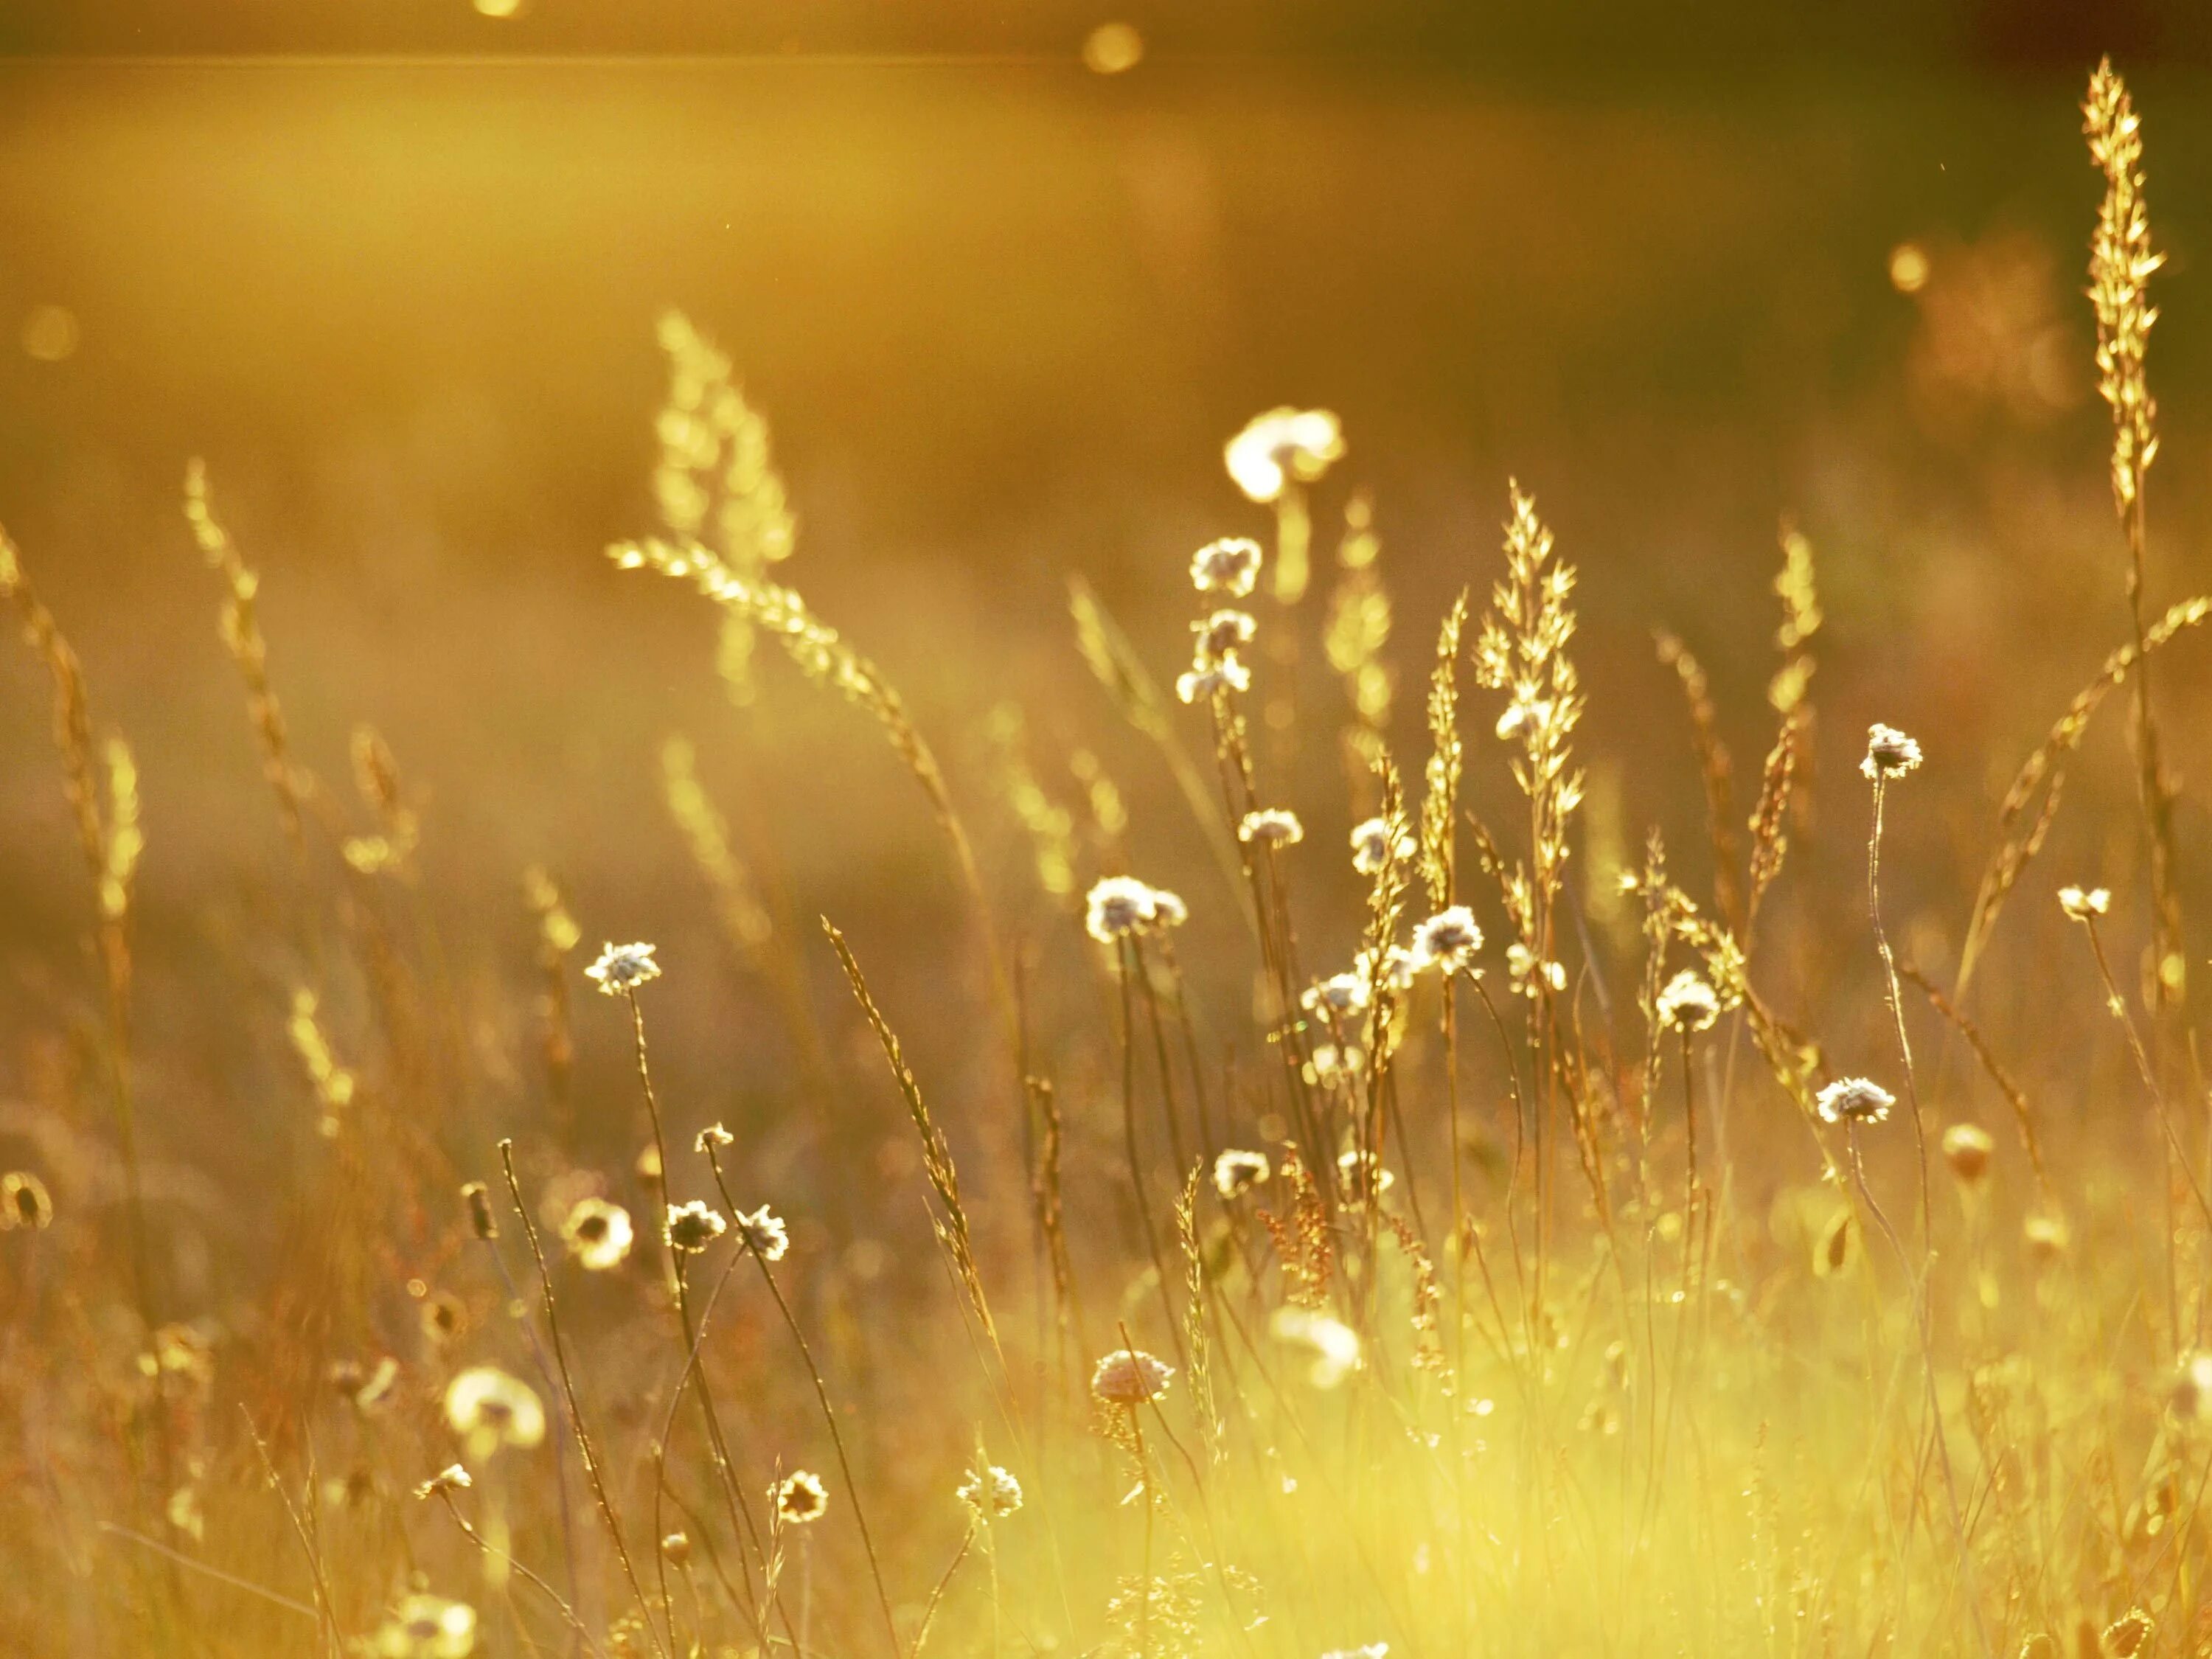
(50, 333)
(1113, 48)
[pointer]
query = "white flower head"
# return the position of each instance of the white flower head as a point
(1272, 826)
(1855, 1100)
(1236, 1172)
(1448, 940)
(1168, 909)
(1230, 567)
(1530, 975)
(1335, 1062)
(1400, 967)
(2083, 905)
(1890, 753)
(1689, 1004)
(1373, 846)
(763, 1234)
(1281, 444)
(690, 1228)
(1223, 633)
(1352, 1167)
(1117, 906)
(597, 1234)
(1130, 1376)
(1203, 679)
(1337, 997)
(621, 968)
(488, 1409)
(800, 1498)
(990, 1492)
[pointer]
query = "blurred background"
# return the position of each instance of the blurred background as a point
(1004, 280)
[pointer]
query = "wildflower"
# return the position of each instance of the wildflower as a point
(1448, 940)
(1119, 906)
(1855, 1100)
(1331, 1061)
(452, 1478)
(714, 1135)
(476, 1197)
(426, 1627)
(1334, 1345)
(1525, 718)
(990, 1492)
(621, 968)
(2085, 906)
(1272, 826)
(1966, 1149)
(24, 1202)
(597, 1234)
(692, 1227)
(800, 1498)
(1337, 996)
(1223, 634)
(1689, 1004)
(1890, 753)
(489, 1409)
(1281, 444)
(1204, 678)
(1373, 847)
(1167, 909)
(1131, 1378)
(1236, 1173)
(1230, 566)
(763, 1234)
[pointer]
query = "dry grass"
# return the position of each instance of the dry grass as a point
(1551, 1292)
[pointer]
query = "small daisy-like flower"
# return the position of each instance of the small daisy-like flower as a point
(714, 1135)
(1168, 909)
(452, 1478)
(1272, 826)
(1890, 753)
(1131, 1378)
(488, 1409)
(1204, 678)
(2083, 905)
(800, 1498)
(763, 1234)
(1372, 846)
(426, 1627)
(1281, 444)
(1236, 1173)
(1966, 1149)
(1448, 940)
(1855, 1100)
(1689, 1004)
(1337, 996)
(24, 1202)
(597, 1234)
(621, 968)
(1117, 906)
(1230, 567)
(692, 1227)
(990, 1492)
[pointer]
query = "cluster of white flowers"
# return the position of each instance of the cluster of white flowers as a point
(1119, 906)
(1855, 1100)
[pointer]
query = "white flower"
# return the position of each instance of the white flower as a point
(621, 968)
(1230, 566)
(1527, 972)
(1689, 1004)
(1203, 679)
(1352, 1167)
(1855, 1100)
(763, 1234)
(990, 1492)
(1272, 826)
(489, 1409)
(1236, 1173)
(1223, 633)
(1119, 906)
(1373, 846)
(800, 1498)
(2081, 905)
(1448, 940)
(597, 1234)
(1130, 1376)
(1281, 444)
(452, 1478)
(1168, 909)
(690, 1228)
(1338, 995)
(1399, 970)
(1890, 753)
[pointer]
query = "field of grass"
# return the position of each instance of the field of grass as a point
(1314, 1083)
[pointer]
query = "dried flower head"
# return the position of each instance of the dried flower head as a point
(1890, 753)
(1272, 826)
(1447, 940)
(1338, 997)
(990, 1492)
(1230, 567)
(1966, 1149)
(621, 968)
(452, 1478)
(2085, 905)
(1689, 1004)
(800, 1498)
(1130, 1377)
(692, 1227)
(713, 1136)
(426, 1627)
(1855, 1100)
(1223, 634)
(1373, 846)
(1117, 906)
(762, 1234)
(1236, 1173)
(1281, 444)
(488, 1409)
(597, 1234)
(476, 1198)
(1167, 909)
(24, 1202)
